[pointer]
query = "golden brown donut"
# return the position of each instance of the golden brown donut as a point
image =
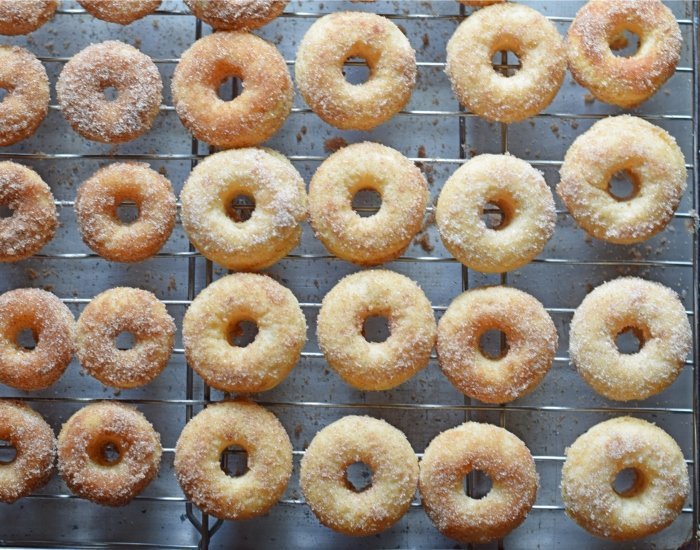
(120, 11)
(25, 16)
(236, 15)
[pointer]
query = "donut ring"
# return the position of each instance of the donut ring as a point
(376, 365)
(655, 314)
(521, 194)
(651, 158)
(329, 43)
(110, 64)
(329, 494)
(198, 460)
(120, 11)
(252, 117)
(236, 15)
(489, 449)
(24, 16)
(595, 459)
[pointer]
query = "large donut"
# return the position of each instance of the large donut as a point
(120, 11)
(236, 15)
(25, 16)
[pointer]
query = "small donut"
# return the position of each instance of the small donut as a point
(506, 27)
(273, 228)
(650, 157)
(494, 451)
(85, 442)
(656, 316)
(119, 310)
(522, 195)
(329, 43)
(596, 458)
(376, 365)
(99, 224)
(252, 117)
(333, 499)
(623, 81)
(236, 15)
(198, 460)
(213, 319)
(81, 92)
(24, 16)
(531, 343)
(120, 11)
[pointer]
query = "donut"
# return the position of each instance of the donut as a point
(81, 92)
(531, 343)
(273, 228)
(650, 157)
(623, 81)
(494, 451)
(506, 27)
(24, 16)
(383, 236)
(329, 43)
(84, 446)
(99, 224)
(596, 458)
(120, 11)
(236, 15)
(334, 500)
(198, 460)
(376, 365)
(213, 319)
(252, 117)
(34, 218)
(119, 310)
(522, 195)
(656, 316)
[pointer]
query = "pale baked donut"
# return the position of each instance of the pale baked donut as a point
(654, 163)
(198, 460)
(383, 236)
(112, 64)
(656, 316)
(334, 39)
(329, 494)
(524, 199)
(25, 16)
(273, 228)
(83, 457)
(506, 27)
(494, 451)
(236, 15)
(120, 11)
(596, 458)
(252, 117)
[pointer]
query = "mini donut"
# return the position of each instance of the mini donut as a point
(53, 327)
(654, 163)
(112, 64)
(524, 199)
(120, 11)
(383, 236)
(599, 455)
(252, 117)
(99, 224)
(332, 498)
(119, 310)
(329, 43)
(531, 340)
(506, 27)
(24, 16)
(376, 365)
(198, 460)
(236, 15)
(273, 228)
(494, 451)
(213, 318)
(623, 81)
(656, 316)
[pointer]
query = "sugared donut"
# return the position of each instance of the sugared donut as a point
(89, 439)
(120, 11)
(334, 500)
(25, 16)
(252, 117)
(376, 365)
(99, 224)
(596, 458)
(81, 92)
(506, 27)
(656, 316)
(522, 195)
(477, 447)
(236, 15)
(273, 228)
(650, 157)
(329, 43)
(383, 236)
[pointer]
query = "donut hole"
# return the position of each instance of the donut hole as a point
(8, 452)
(357, 70)
(234, 461)
(493, 344)
(477, 484)
(629, 340)
(358, 477)
(3, 93)
(125, 340)
(242, 333)
(105, 451)
(240, 208)
(496, 215)
(5, 211)
(228, 88)
(375, 329)
(624, 43)
(628, 482)
(366, 202)
(27, 339)
(111, 93)
(127, 212)
(623, 186)
(506, 62)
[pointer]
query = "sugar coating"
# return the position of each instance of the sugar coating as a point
(25, 16)
(120, 11)
(236, 15)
